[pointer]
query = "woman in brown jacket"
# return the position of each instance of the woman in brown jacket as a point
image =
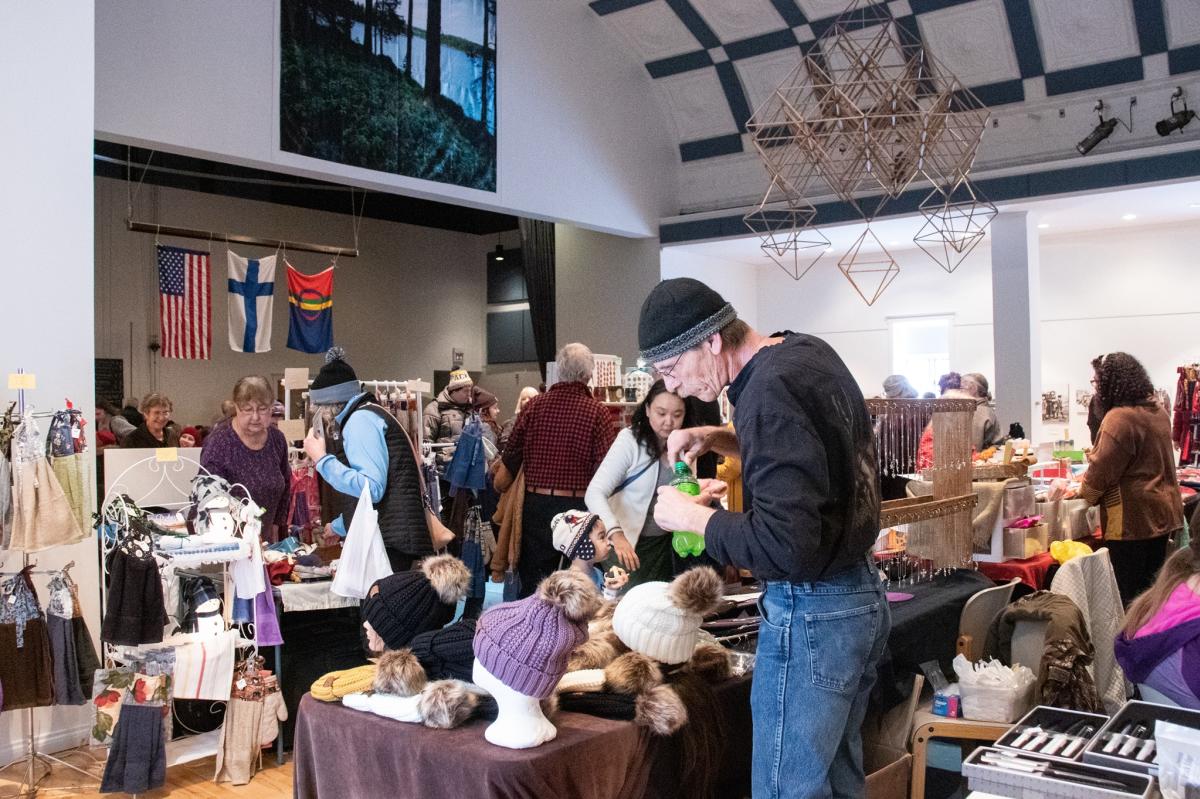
(1132, 473)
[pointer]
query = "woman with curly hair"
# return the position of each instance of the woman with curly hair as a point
(1132, 473)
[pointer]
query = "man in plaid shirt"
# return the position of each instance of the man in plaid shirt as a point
(559, 439)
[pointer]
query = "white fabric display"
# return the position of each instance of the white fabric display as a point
(316, 595)
(400, 708)
(520, 723)
(363, 558)
(248, 577)
(204, 665)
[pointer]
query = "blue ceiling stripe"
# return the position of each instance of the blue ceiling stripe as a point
(711, 148)
(603, 7)
(790, 12)
(1024, 37)
(1151, 27)
(665, 67)
(767, 43)
(1094, 76)
(694, 23)
(1000, 93)
(1184, 59)
(734, 94)
(1090, 177)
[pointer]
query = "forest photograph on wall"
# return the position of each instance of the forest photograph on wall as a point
(400, 86)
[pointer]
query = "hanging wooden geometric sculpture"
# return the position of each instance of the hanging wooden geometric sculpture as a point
(868, 111)
(869, 272)
(955, 222)
(786, 237)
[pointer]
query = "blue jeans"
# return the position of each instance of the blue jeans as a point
(818, 646)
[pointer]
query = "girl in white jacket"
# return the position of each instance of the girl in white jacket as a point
(625, 487)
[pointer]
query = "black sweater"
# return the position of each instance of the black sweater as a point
(808, 466)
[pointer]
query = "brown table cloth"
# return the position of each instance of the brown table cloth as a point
(347, 753)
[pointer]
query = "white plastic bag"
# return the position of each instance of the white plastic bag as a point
(363, 558)
(992, 691)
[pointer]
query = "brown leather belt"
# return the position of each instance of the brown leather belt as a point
(554, 492)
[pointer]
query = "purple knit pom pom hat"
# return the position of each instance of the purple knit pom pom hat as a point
(526, 644)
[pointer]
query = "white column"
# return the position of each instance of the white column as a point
(1016, 320)
(46, 217)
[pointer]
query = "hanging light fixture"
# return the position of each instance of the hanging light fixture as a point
(498, 253)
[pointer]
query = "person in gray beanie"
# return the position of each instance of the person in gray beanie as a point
(363, 445)
(811, 516)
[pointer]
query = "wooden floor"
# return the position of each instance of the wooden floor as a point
(189, 780)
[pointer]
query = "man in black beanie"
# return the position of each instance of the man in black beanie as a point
(812, 513)
(364, 446)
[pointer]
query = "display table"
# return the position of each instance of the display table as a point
(341, 752)
(923, 628)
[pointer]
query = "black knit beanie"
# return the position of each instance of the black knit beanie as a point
(447, 653)
(409, 603)
(680, 314)
(336, 382)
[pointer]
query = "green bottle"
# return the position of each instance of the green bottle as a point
(685, 542)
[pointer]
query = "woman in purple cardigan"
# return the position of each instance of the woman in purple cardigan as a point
(251, 452)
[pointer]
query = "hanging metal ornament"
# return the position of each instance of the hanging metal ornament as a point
(955, 223)
(868, 111)
(869, 266)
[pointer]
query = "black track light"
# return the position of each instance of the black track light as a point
(1178, 119)
(1098, 134)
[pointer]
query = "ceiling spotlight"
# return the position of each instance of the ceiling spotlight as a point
(1178, 119)
(1105, 127)
(498, 253)
(1129, 217)
(1193, 205)
(1043, 225)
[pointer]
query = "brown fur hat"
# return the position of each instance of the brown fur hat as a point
(661, 710)
(632, 674)
(710, 661)
(399, 673)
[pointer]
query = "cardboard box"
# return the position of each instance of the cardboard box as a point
(888, 772)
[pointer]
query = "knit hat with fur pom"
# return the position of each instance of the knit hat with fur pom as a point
(526, 644)
(405, 604)
(662, 620)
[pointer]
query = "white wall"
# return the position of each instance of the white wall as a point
(737, 282)
(601, 281)
(580, 138)
(1101, 292)
(46, 218)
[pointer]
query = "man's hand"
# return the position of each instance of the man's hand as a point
(329, 537)
(712, 490)
(686, 445)
(314, 447)
(626, 554)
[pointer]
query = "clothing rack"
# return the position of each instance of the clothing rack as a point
(32, 755)
(417, 388)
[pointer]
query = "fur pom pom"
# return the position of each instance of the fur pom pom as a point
(572, 592)
(446, 704)
(632, 674)
(399, 673)
(596, 652)
(335, 354)
(449, 577)
(696, 590)
(661, 710)
(710, 661)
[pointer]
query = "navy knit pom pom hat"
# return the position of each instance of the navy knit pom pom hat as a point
(336, 382)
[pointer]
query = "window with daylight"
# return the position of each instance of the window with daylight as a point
(921, 349)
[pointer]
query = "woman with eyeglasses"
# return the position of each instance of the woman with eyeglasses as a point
(250, 451)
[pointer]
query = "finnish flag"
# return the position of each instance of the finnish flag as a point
(251, 296)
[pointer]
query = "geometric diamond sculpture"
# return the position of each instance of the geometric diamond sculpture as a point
(808, 246)
(782, 226)
(867, 111)
(955, 222)
(869, 266)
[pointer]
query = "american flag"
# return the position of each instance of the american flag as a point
(184, 303)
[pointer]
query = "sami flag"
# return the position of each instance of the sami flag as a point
(310, 307)
(251, 295)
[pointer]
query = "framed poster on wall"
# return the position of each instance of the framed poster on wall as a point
(400, 86)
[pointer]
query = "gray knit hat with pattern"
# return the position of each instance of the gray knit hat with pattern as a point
(680, 314)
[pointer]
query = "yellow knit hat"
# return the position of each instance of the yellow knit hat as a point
(336, 684)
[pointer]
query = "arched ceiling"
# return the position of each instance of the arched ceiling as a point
(1039, 65)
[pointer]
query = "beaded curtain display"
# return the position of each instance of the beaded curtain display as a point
(927, 535)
